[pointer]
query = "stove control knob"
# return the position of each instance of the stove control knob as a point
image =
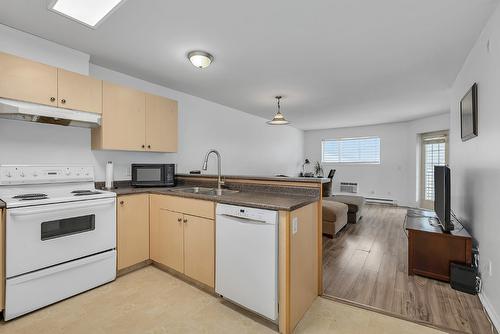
(21, 174)
(35, 174)
(8, 174)
(68, 172)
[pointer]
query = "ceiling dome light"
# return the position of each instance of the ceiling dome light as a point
(200, 59)
(278, 119)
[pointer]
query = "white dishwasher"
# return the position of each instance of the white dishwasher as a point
(247, 258)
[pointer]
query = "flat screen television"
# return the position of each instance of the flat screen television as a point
(442, 197)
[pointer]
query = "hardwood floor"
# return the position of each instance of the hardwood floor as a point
(367, 263)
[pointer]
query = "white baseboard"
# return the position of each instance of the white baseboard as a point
(495, 319)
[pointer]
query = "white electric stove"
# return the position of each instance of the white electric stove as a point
(60, 235)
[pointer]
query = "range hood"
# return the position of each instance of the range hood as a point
(31, 112)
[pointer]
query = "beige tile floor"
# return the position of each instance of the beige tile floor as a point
(152, 301)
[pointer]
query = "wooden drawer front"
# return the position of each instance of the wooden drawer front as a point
(79, 92)
(189, 206)
(199, 249)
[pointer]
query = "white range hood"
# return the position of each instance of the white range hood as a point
(31, 112)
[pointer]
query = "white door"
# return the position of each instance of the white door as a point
(45, 235)
(434, 153)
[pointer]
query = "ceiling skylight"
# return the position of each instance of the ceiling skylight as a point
(87, 12)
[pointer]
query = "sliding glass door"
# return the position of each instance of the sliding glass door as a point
(434, 150)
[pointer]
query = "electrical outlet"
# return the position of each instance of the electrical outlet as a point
(295, 225)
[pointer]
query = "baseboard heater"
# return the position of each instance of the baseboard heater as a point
(375, 200)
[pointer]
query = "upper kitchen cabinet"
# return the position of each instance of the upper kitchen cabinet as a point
(161, 124)
(135, 121)
(26, 80)
(79, 92)
(123, 124)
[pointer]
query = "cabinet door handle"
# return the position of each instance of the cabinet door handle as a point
(143, 146)
(52, 99)
(149, 146)
(121, 202)
(63, 101)
(185, 220)
(179, 219)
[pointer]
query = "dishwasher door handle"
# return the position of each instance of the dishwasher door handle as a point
(245, 220)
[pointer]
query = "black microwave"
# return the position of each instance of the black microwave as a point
(153, 175)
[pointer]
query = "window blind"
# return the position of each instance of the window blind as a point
(434, 155)
(351, 150)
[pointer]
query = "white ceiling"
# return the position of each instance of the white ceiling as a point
(337, 62)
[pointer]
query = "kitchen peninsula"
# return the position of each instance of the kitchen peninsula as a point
(299, 247)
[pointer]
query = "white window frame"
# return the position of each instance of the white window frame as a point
(352, 162)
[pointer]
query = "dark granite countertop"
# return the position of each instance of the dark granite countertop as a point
(262, 200)
(265, 178)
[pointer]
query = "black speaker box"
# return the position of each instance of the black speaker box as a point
(463, 278)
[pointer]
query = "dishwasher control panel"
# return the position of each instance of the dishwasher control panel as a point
(268, 216)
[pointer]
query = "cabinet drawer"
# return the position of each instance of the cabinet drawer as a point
(190, 206)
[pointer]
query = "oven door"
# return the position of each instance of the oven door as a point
(41, 236)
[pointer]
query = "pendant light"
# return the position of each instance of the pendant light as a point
(278, 119)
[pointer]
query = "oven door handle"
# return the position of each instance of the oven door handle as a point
(52, 209)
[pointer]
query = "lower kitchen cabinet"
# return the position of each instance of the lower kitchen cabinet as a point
(199, 249)
(132, 230)
(181, 241)
(2, 259)
(167, 233)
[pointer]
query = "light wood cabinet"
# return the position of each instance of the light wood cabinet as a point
(181, 241)
(132, 230)
(123, 119)
(161, 124)
(135, 121)
(25, 80)
(79, 92)
(167, 239)
(2, 259)
(199, 249)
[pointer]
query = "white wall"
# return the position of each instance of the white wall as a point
(395, 177)
(475, 164)
(247, 144)
(28, 46)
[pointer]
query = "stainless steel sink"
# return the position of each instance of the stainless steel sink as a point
(204, 191)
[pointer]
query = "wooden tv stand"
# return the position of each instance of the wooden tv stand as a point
(430, 250)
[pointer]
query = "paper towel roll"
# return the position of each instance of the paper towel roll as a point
(109, 175)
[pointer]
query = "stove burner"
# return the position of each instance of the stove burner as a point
(28, 197)
(85, 192)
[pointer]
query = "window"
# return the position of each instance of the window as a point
(365, 150)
